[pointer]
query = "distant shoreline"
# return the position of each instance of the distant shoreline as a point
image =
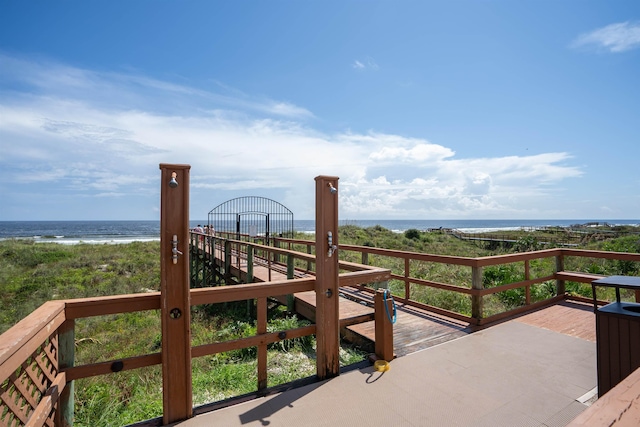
(113, 232)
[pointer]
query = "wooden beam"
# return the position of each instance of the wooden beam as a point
(113, 304)
(384, 327)
(175, 296)
(477, 303)
(262, 348)
(111, 366)
(327, 312)
(250, 291)
(66, 359)
(256, 340)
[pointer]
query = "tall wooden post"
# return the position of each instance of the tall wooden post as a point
(327, 314)
(175, 296)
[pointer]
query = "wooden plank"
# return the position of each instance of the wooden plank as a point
(437, 285)
(256, 340)
(327, 299)
(574, 276)
(350, 312)
(514, 285)
(363, 277)
(572, 318)
(444, 259)
(111, 366)
(101, 306)
(521, 310)
(41, 413)
(250, 291)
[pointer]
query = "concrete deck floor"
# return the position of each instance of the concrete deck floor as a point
(512, 374)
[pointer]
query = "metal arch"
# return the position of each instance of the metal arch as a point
(252, 217)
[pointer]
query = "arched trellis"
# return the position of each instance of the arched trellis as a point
(252, 216)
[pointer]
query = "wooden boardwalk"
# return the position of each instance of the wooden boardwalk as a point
(415, 329)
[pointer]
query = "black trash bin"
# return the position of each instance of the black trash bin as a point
(617, 333)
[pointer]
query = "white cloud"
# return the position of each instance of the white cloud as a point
(82, 145)
(365, 64)
(419, 152)
(618, 37)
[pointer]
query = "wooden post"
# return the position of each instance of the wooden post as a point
(327, 314)
(250, 252)
(291, 302)
(560, 286)
(227, 260)
(527, 289)
(407, 287)
(250, 255)
(66, 359)
(384, 327)
(262, 348)
(175, 296)
(476, 300)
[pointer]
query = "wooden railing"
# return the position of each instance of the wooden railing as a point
(472, 271)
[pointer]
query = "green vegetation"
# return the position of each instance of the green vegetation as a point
(615, 239)
(31, 274)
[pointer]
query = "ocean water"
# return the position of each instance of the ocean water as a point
(72, 232)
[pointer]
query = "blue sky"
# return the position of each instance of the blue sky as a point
(425, 110)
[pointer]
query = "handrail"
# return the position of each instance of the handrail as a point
(87, 307)
(476, 290)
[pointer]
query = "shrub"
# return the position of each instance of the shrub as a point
(412, 234)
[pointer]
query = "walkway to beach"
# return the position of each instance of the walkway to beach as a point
(517, 373)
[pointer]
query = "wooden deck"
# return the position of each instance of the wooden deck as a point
(572, 318)
(414, 330)
(417, 329)
(305, 302)
(509, 374)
